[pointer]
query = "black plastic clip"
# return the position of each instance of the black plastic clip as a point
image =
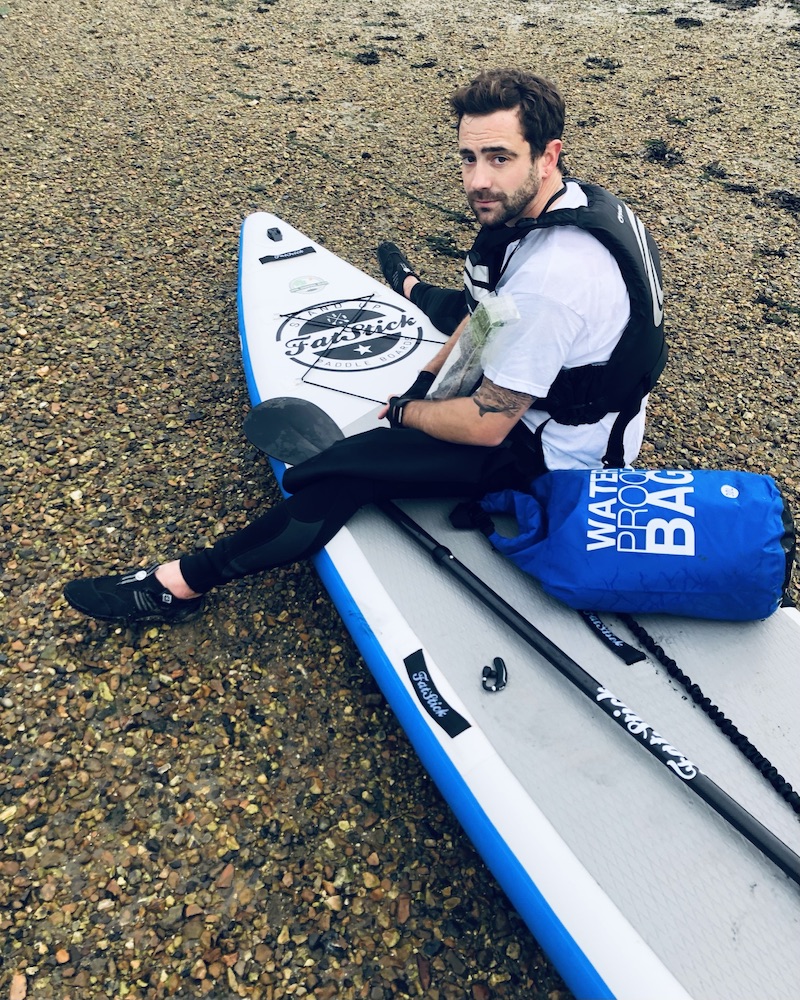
(495, 678)
(275, 234)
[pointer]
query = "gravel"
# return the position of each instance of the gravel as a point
(229, 809)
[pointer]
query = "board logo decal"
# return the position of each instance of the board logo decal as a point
(286, 255)
(307, 284)
(430, 699)
(349, 335)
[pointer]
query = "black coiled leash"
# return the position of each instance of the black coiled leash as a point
(764, 766)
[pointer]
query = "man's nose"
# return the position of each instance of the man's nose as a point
(479, 178)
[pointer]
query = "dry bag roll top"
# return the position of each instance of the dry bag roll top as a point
(704, 544)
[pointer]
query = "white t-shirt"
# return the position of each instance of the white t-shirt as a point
(573, 307)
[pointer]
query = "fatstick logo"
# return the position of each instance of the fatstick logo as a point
(428, 696)
(349, 335)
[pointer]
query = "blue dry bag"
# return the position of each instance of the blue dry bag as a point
(704, 544)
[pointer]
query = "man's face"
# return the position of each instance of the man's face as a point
(501, 180)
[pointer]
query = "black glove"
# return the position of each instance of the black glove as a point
(419, 390)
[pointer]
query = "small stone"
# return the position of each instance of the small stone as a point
(8, 813)
(423, 971)
(19, 986)
(391, 937)
(225, 877)
(104, 691)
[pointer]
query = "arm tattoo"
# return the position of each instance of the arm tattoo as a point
(491, 398)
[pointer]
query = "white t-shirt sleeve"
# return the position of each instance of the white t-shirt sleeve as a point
(527, 355)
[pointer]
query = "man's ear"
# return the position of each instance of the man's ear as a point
(552, 151)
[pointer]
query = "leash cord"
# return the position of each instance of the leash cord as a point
(764, 766)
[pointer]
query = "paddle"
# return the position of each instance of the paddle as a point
(290, 430)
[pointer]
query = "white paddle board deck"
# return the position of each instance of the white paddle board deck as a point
(633, 885)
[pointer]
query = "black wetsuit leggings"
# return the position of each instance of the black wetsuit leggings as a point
(444, 307)
(382, 464)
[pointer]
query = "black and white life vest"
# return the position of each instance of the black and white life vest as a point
(585, 394)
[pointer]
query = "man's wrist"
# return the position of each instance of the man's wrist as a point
(398, 412)
(408, 412)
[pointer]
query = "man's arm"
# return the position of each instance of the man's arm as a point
(485, 418)
(437, 361)
(434, 366)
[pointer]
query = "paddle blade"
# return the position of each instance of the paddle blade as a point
(290, 429)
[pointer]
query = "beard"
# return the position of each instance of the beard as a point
(509, 206)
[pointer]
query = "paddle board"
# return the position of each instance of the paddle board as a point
(635, 888)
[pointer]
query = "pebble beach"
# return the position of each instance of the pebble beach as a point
(229, 808)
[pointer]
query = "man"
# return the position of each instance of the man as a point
(556, 359)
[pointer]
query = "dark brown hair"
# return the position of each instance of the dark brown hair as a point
(541, 106)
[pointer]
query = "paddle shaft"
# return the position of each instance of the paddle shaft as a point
(660, 748)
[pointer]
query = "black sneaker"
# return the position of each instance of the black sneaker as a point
(136, 596)
(395, 265)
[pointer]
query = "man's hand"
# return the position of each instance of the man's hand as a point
(419, 390)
